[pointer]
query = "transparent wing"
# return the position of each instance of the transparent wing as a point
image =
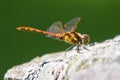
(72, 24)
(56, 27)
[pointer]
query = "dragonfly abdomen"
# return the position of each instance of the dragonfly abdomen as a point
(30, 29)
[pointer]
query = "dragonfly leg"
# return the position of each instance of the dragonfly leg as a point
(69, 48)
(89, 50)
(77, 49)
(86, 48)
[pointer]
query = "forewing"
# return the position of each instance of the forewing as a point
(72, 24)
(56, 27)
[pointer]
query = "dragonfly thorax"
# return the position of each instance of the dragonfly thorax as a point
(75, 38)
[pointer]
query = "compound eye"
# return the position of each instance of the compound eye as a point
(85, 39)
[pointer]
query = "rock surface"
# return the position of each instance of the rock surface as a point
(97, 61)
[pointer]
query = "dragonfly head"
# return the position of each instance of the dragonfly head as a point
(85, 38)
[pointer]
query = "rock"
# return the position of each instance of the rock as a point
(96, 61)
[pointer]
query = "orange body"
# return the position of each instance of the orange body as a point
(67, 34)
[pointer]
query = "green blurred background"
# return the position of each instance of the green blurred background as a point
(100, 19)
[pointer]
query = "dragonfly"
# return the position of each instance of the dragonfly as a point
(65, 33)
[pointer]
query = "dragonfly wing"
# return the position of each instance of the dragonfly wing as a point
(55, 28)
(72, 24)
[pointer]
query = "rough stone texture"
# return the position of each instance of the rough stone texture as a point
(97, 61)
